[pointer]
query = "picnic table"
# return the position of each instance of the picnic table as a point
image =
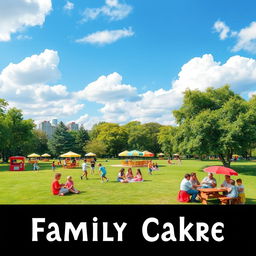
(207, 193)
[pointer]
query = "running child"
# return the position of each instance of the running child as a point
(103, 172)
(84, 169)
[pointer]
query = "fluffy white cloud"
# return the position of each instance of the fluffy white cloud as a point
(69, 6)
(15, 15)
(106, 36)
(221, 28)
(199, 73)
(108, 88)
(246, 39)
(36, 69)
(24, 85)
(202, 72)
(112, 9)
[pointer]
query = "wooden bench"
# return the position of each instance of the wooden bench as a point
(224, 200)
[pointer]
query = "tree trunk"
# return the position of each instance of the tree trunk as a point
(225, 162)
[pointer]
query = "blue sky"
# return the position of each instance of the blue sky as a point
(143, 78)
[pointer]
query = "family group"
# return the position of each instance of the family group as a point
(190, 185)
(128, 177)
(63, 188)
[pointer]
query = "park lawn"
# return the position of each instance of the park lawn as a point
(32, 187)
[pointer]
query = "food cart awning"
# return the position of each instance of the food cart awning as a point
(34, 155)
(70, 154)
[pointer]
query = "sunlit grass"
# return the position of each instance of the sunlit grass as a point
(32, 187)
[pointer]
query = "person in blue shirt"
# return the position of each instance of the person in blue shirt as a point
(187, 186)
(232, 189)
(103, 172)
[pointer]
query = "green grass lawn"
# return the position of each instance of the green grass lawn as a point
(32, 187)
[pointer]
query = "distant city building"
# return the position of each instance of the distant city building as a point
(54, 122)
(73, 126)
(47, 128)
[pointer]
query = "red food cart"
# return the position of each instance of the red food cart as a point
(17, 163)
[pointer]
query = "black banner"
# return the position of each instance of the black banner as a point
(128, 227)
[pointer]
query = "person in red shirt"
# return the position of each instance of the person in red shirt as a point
(57, 188)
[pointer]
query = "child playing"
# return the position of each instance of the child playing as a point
(121, 176)
(53, 166)
(103, 172)
(138, 176)
(35, 166)
(129, 174)
(57, 188)
(70, 186)
(150, 167)
(240, 189)
(84, 169)
(92, 166)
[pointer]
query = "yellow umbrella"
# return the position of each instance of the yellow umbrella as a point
(70, 154)
(124, 153)
(45, 155)
(90, 154)
(34, 155)
(161, 154)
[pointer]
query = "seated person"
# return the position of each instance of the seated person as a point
(186, 185)
(209, 181)
(194, 180)
(155, 167)
(240, 190)
(232, 189)
(138, 176)
(226, 183)
(129, 174)
(121, 176)
(70, 186)
(57, 188)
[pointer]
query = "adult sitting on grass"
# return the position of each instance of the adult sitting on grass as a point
(57, 188)
(121, 176)
(209, 181)
(186, 188)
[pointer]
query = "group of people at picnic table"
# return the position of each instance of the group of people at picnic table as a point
(190, 185)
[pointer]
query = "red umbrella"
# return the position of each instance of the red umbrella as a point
(221, 170)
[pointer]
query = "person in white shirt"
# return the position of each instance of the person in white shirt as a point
(186, 185)
(84, 169)
(209, 181)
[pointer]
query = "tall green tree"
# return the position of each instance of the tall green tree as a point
(81, 137)
(216, 121)
(39, 142)
(62, 141)
(165, 139)
(112, 135)
(18, 133)
(97, 147)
